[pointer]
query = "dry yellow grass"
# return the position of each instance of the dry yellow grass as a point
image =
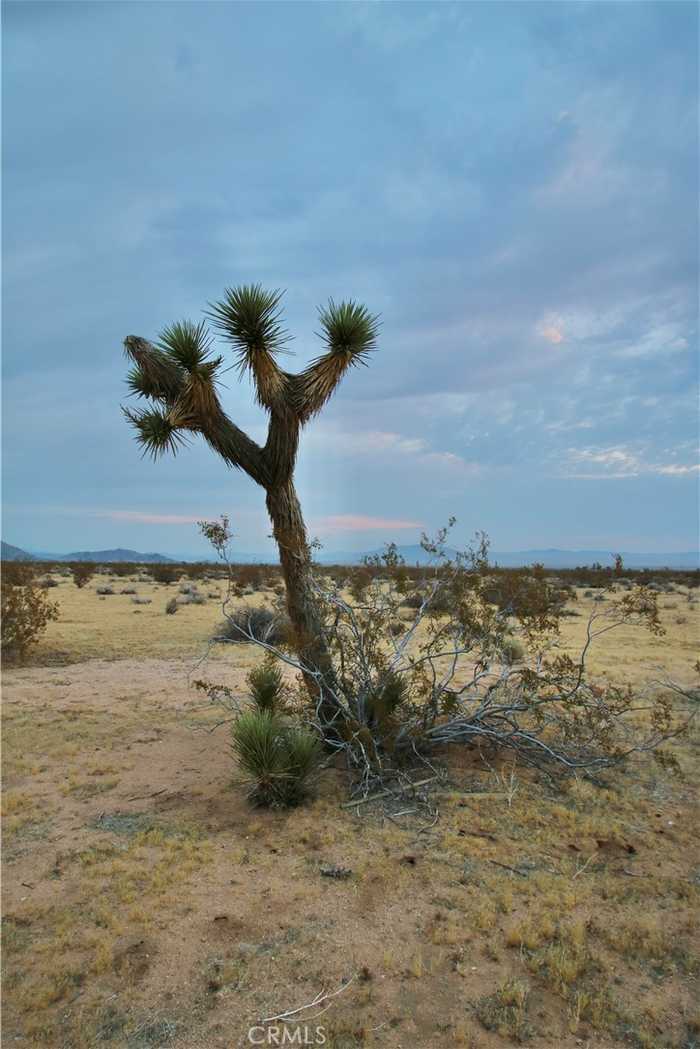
(146, 904)
(112, 627)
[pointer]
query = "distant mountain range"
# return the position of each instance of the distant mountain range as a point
(13, 553)
(412, 555)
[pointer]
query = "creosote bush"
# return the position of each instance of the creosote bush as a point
(26, 609)
(122, 569)
(164, 574)
(473, 664)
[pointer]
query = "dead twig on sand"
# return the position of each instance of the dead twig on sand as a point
(386, 793)
(143, 797)
(580, 870)
(505, 866)
(320, 997)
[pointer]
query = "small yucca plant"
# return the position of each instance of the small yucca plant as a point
(281, 761)
(385, 700)
(265, 684)
(303, 753)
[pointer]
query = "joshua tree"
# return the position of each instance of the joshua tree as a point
(179, 375)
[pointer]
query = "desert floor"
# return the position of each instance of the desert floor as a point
(147, 904)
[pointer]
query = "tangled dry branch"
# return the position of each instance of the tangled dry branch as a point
(467, 656)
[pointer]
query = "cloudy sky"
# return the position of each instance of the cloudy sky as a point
(512, 187)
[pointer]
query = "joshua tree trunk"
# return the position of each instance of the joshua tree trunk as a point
(179, 375)
(295, 557)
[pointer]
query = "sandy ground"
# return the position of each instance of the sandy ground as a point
(146, 904)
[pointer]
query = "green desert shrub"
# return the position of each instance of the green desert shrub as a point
(360, 579)
(122, 569)
(439, 603)
(82, 572)
(280, 760)
(414, 600)
(512, 651)
(26, 609)
(165, 574)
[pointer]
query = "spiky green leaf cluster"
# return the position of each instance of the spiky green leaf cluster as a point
(280, 760)
(349, 329)
(265, 683)
(155, 374)
(189, 346)
(250, 318)
(179, 373)
(162, 372)
(154, 431)
(387, 698)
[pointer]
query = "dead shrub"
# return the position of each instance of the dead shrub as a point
(257, 624)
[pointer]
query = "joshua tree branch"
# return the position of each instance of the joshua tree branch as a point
(250, 318)
(236, 447)
(318, 382)
(350, 333)
(189, 402)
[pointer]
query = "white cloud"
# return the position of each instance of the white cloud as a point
(616, 463)
(386, 443)
(659, 340)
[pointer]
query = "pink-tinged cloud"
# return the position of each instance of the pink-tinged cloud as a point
(551, 328)
(138, 517)
(552, 334)
(361, 523)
